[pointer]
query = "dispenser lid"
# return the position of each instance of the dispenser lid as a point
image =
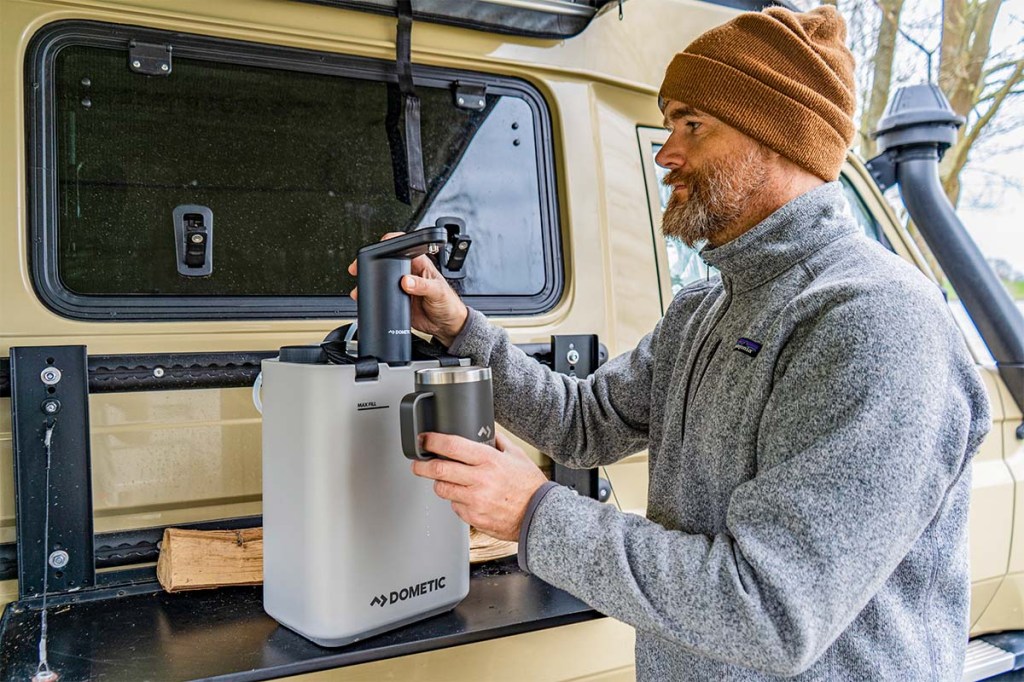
(436, 376)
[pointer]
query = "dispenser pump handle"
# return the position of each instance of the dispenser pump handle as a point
(384, 312)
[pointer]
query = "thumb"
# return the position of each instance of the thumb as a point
(421, 286)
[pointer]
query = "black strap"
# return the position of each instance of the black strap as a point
(423, 350)
(403, 104)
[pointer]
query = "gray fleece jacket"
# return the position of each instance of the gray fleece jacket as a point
(810, 419)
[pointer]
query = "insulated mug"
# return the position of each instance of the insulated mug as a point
(454, 400)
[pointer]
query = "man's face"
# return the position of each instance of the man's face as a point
(716, 173)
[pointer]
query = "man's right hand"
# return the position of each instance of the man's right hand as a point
(436, 309)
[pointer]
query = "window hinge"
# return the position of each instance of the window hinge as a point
(470, 95)
(149, 58)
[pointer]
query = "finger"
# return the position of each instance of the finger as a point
(422, 266)
(501, 441)
(352, 268)
(392, 235)
(354, 294)
(451, 492)
(445, 470)
(458, 448)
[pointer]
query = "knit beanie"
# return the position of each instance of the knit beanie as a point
(783, 78)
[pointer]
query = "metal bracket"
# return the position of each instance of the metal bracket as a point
(577, 355)
(49, 388)
(149, 58)
(883, 170)
(470, 95)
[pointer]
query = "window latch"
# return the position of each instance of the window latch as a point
(149, 58)
(470, 95)
(193, 237)
(452, 259)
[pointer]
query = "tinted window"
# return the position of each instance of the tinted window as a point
(295, 168)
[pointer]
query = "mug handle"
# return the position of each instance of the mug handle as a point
(414, 423)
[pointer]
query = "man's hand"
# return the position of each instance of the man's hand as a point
(436, 309)
(488, 488)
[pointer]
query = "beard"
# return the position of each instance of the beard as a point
(718, 194)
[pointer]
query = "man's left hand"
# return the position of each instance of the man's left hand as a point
(489, 488)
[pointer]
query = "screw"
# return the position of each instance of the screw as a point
(164, 67)
(59, 559)
(51, 406)
(463, 246)
(515, 142)
(86, 102)
(573, 357)
(86, 82)
(198, 238)
(158, 372)
(515, 126)
(136, 63)
(50, 376)
(462, 100)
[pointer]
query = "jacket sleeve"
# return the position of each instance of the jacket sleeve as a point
(868, 428)
(581, 423)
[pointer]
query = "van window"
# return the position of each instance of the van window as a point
(289, 152)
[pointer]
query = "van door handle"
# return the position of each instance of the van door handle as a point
(193, 238)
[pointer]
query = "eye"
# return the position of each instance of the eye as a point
(693, 125)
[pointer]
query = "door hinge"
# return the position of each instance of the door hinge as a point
(149, 58)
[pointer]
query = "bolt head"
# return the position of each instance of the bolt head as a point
(463, 246)
(59, 559)
(50, 376)
(197, 238)
(164, 67)
(158, 372)
(136, 63)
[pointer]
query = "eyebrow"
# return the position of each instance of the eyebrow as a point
(684, 111)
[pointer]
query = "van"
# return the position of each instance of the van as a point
(279, 125)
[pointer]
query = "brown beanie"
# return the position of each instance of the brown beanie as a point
(781, 77)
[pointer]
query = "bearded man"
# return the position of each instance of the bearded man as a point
(810, 416)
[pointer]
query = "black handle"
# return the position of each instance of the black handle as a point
(413, 423)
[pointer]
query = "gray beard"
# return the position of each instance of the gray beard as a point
(718, 195)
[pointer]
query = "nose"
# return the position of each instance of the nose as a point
(670, 155)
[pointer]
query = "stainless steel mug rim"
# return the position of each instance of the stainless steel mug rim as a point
(436, 376)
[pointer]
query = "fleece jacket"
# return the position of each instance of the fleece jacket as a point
(809, 417)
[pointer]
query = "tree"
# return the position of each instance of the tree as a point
(978, 81)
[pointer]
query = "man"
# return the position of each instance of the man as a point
(809, 417)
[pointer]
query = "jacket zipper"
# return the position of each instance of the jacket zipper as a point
(703, 342)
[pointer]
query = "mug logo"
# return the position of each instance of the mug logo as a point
(484, 432)
(747, 346)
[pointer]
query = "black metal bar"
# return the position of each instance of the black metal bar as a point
(164, 371)
(49, 400)
(576, 355)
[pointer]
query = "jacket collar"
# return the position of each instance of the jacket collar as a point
(783, 239)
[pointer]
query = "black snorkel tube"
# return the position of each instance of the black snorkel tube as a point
(918, 127)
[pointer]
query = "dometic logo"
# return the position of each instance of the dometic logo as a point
(399, 331)
(370, 406)
(409, 592)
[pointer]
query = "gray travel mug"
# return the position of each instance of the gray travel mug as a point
(454, 400)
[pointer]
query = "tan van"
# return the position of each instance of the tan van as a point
(133, 350)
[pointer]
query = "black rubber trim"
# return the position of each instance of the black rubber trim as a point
(41, 179)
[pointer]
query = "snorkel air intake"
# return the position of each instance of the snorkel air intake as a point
(918, 127)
